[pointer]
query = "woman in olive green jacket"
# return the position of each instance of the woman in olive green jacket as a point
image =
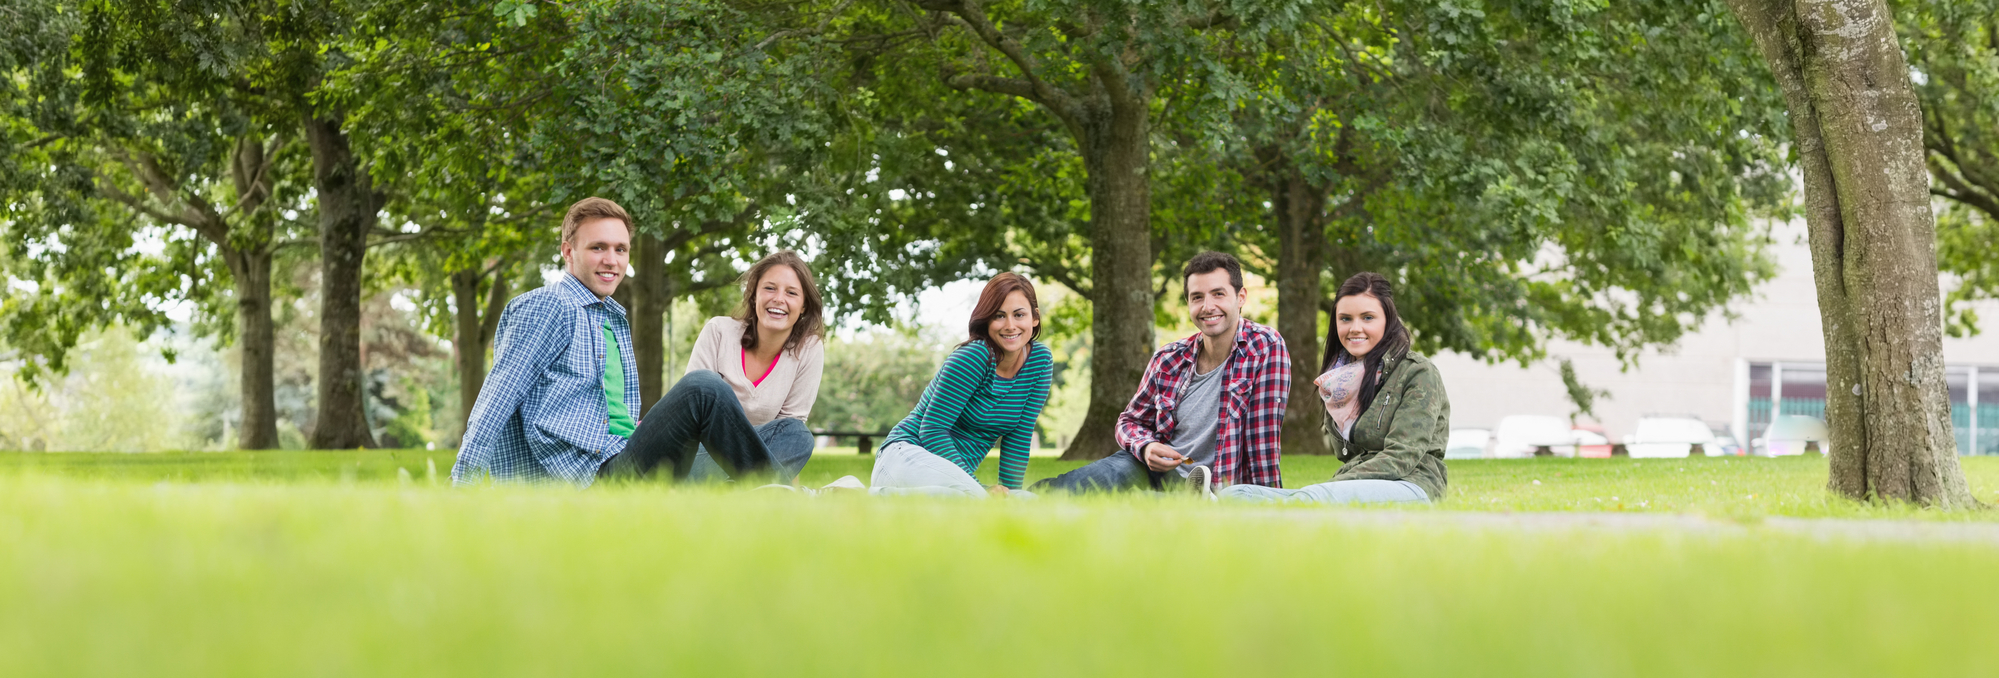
(1387, 415)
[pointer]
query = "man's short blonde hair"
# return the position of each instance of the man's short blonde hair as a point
(592, 209)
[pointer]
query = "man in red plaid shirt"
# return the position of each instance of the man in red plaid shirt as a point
(1211, 409)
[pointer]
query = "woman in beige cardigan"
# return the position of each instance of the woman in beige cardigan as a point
(771, 354)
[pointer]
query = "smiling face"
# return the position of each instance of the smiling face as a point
(1214, 303)
(598, 254)
(1359, 323)
(1013, 326)
(779, 301)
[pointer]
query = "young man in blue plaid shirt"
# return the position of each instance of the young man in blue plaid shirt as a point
(557, 404)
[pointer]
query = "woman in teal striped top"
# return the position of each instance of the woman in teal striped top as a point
(990, 390)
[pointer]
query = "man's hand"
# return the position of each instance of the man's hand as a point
(1161, 458)
(996, 490)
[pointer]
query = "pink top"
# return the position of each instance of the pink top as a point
(759, 379)
(785, 391)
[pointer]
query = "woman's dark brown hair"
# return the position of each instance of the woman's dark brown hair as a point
(990, 299)
(809, 326)
(1394, 336)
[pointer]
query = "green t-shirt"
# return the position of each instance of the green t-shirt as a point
(614, 388)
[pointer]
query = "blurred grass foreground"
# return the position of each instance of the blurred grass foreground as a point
(356, 563)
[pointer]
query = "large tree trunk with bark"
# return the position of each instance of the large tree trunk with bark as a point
(651, 297)
(347, 211)
(257, 338)
(473, 333)
(1298, 209)
(1858, 135)
(1115, 154)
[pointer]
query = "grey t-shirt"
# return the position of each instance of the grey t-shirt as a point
(1199, 418)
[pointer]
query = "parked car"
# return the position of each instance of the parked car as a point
(1669, 437)
(1791, 434)
(1525, 435)
(1467, 443)
(1591, 442)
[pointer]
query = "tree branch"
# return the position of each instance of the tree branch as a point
(973, 18)
(1956, 188)
(194, 213)
(710, 227)
(994, 84)
(1060, 274)
(1216, 19)
(774, 37)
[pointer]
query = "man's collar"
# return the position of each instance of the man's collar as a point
(576, 292)
(1240, 339)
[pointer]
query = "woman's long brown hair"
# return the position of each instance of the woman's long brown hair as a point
(1394, 336)
(811, 324)
(990, 299)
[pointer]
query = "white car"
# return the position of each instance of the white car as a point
(1668, 437)
(1521, 435)
(1467, 443)
(1791, 434)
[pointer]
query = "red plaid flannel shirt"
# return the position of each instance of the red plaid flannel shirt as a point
(1255, 389)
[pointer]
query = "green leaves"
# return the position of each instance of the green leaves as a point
(1953, 50)
(516, 12)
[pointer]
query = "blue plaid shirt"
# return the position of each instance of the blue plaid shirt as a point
(541, 414)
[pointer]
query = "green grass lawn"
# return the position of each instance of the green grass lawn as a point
(356, 563)
(1734, 487)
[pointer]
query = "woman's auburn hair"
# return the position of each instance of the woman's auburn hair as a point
(995, 293)
(811, 323)
(1394, 341)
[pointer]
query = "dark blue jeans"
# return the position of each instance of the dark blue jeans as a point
(700, 411)
(1114, 473)
(790, 445)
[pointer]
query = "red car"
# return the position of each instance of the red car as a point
(1591, 441)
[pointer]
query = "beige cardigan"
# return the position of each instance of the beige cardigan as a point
(789, 390)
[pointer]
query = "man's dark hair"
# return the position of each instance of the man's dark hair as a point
(1206, 262)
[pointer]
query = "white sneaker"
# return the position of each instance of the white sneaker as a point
(778, 486)
(844, 484)
(1201, 481)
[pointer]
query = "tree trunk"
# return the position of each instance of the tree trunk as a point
(1115, 154)
(257, 338)
(1858, 135)
(650, 300)
(347, 207)
(1299, 208)
(473, 333)
(471, 357)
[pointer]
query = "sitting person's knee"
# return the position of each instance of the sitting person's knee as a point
(790, 427)
(705, 380)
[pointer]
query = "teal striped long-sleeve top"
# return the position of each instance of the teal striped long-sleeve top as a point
(968, 407)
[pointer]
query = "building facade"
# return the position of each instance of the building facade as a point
(1732, 373)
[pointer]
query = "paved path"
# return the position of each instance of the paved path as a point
(1822, 528)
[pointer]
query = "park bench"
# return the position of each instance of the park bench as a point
(863, 439)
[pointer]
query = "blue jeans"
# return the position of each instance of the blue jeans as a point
(700, 410)
(1335, 492)
(790, 445)
(1114, 473)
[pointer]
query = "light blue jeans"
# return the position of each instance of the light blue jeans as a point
(905, 469)
(1335, 492)
(790, 445)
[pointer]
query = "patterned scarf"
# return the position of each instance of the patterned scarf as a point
(1340, 388)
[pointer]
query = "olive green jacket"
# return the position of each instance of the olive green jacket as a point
(1401, 436)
